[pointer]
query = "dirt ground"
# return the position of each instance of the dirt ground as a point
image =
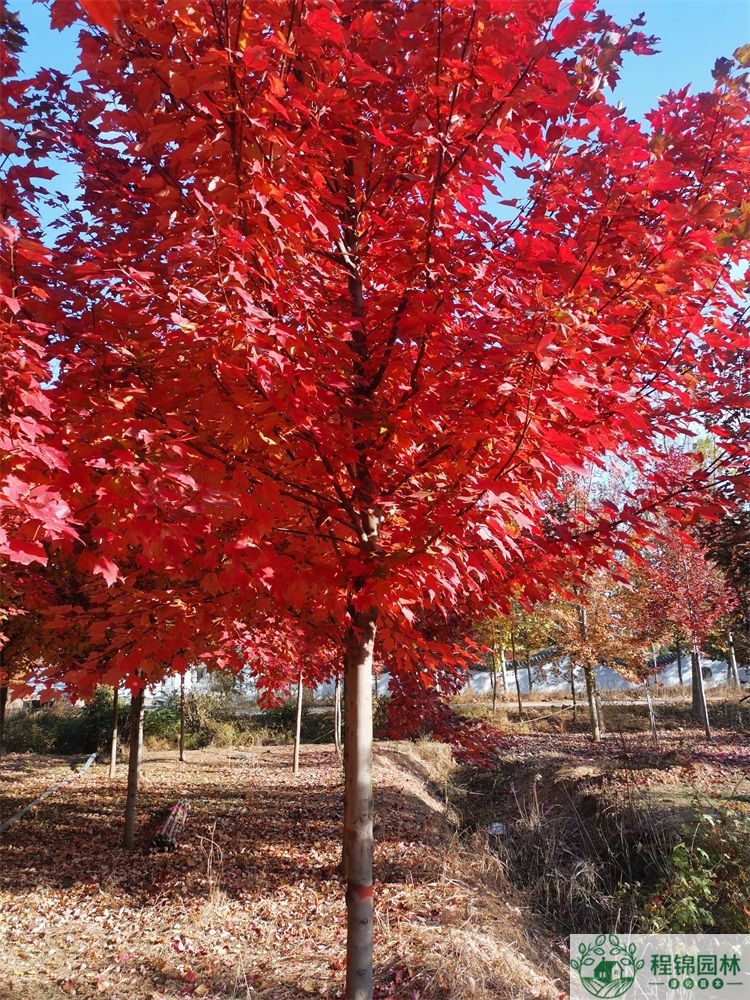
(684, 756)
(251, 905)
(675, 780)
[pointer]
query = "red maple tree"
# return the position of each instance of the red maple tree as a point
(309, 365)
(692, 594)
(31, 509)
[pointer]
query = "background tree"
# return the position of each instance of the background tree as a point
(638, 618)
(580, 626)
(693, 595)
(495, 635)
(728, 545)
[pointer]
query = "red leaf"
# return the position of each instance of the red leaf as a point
(325, 26)
(12, 303)
(101, 565)
(103, 12)
(21, 550)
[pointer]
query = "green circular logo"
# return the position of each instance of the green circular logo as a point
(606, 968)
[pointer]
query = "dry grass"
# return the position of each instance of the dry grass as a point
(717, 692)
(251, 905)
(488, 948)
(623, 712)
(585, 824)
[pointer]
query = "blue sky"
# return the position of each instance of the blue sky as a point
(693, 33)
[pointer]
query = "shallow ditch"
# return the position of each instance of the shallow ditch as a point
(587, 856)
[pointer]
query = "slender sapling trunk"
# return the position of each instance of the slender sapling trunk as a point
(3, 707)
(358, 835)
(598, 702)
(134, 765)
(696, 676)
(700, 689)
(679, 664)
(651, 715)
(494, 676)
(298, 724)
(595, 713)
(733, 678)
(515, 671)
(182, 717)
(115, 726)
(528, 669)
(594, 721)
(337, 715)
(572, 669)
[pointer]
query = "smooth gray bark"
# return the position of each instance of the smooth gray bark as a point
(3, 709)
(595, 713)
(528, 670)
(504, 669)
(494, 675)
(572, 668)
(182, 717)
(695, 671)
(733, 678)
(134, 766)
(699, 690)
(337, 715)
(114, 737)
(594, 720)
(298, 724)
(651, 715)
(358, 809)
(515, 672)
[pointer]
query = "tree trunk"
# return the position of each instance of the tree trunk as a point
(134, 765)
(528, 669)
(595, 708)
(697, 679)
(115, 726)
(679, 664)
(494, 676)
(358, 835)
(337, 715)
(700, 690)
(515, 671)
(572, 669)
(732, 676)
(298, 724)
(651, 716)
(3, 707)
(182, 717)
(504, 669)
(594, 720)
(598, 701)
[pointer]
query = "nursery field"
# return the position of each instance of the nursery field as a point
(251, 904)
